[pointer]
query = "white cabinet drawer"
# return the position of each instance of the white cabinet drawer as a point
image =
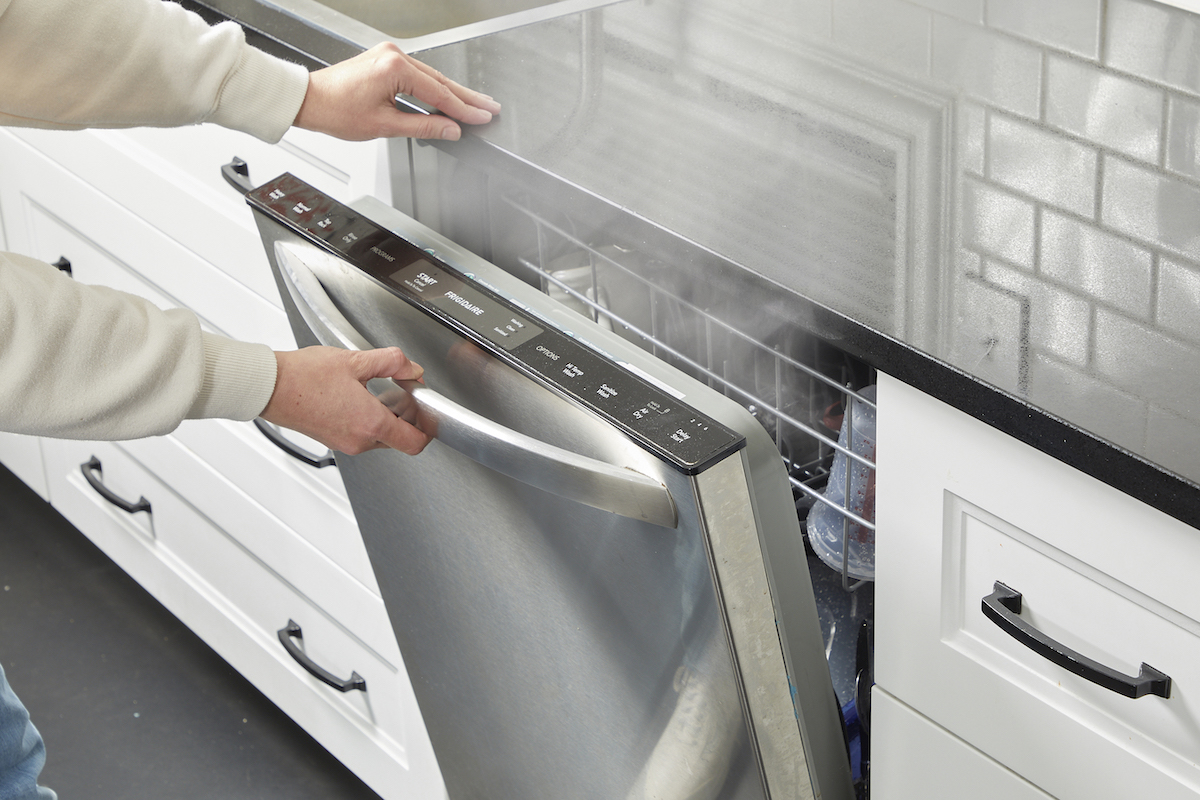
(171, 179)
(49, 213)
(294, 560)
(310, 501)
(962, 506)
(238, 605)
(23, 457)
(913, 759)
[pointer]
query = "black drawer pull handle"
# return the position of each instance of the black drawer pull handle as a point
(1003, 607)
(237, 174)
(63, 265)
(287, 636)
(291, 448)
(94, 474)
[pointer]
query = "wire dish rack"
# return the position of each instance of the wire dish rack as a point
(816, 402)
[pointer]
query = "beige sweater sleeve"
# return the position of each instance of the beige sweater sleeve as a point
(126, 63)
(88, 362)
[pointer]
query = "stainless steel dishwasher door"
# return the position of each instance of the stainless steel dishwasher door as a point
(580, 617)
(550, 643)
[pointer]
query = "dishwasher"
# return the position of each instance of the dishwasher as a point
(600, 573)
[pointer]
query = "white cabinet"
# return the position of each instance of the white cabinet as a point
(914, 758)
(238, 602)
(240, 539)
(962, 506)
(23, 456)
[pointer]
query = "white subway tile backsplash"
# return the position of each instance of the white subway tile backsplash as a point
(987, 65)
(1108, 109)
(1179, 299)
(998, 223)
(972, 120)
(1033, 160)
(1121, 346)
(969, 263)
(887, 32)
(967, 10)
(990, 334)
(1154, 42)
(1098, 406)
(1183, 136)
(1151, 206)
(1097, 263)
(1059, 322)
(1073, 164)
(1171, 441)
(1072, 25)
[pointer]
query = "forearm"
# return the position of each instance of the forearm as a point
(122, 63)
(86, 362)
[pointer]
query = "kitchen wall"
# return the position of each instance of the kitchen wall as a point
(1011, 185)
(1077, 189)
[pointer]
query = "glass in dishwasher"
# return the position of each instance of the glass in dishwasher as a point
(835, 528)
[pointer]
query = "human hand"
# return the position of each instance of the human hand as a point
(321, 392)
(355, 99)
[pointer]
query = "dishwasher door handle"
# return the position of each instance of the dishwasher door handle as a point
(595, 483)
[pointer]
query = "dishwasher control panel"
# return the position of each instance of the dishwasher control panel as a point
(675, 432)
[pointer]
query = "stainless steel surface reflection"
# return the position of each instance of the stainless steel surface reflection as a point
(415, 25)
(527, 613)
(556, 648)
(616, 489)
(547, 641)
(1012, 193)
(407, 19)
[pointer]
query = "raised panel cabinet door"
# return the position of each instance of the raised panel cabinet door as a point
(1102, 577)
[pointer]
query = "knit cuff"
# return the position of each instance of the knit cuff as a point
(262, 96)
(239, 379)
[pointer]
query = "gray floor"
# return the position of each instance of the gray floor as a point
(132, 705)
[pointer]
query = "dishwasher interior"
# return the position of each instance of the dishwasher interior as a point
(728, 328)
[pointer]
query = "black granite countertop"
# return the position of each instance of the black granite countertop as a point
(1005, 215)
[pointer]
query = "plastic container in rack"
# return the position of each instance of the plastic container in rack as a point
(827, 528)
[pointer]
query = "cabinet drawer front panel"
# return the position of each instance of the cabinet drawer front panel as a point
(23, 457)
(961, 507)
(276, 547)
(237, 606)
(310, 501)
(1085, 611)
(109, 246)
(914, 759)
(386, 713)
(171, 179)
(339, 168)
(111, 528)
